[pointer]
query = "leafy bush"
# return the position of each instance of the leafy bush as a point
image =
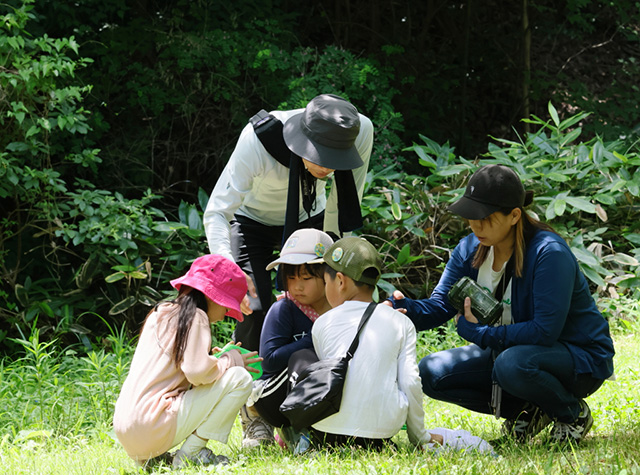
(175, 82)
(88, 232)
(587, 190)
(69, 250)
(40, 149)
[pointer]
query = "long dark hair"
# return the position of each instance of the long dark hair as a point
(526, 227)
(188, 301)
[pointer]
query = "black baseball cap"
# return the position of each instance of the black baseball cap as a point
(490, 188)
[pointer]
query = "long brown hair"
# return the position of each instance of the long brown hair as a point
(525, 228)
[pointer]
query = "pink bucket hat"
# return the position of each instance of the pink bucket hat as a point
(219, 279)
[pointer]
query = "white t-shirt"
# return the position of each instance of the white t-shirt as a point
(489, 279)
(382, 389)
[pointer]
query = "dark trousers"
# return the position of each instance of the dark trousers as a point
(275, 390)
(542, 376)
(278, 386)
(253, 246)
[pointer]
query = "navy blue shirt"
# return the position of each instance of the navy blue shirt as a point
(286, 330)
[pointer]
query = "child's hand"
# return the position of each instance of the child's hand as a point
(249, 358)
(217, 349)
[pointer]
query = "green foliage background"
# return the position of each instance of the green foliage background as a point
(117, 118)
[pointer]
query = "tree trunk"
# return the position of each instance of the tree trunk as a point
(526, 70)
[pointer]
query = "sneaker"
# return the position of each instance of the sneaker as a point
(303, 444)
(255, 430)
(528, 423)
(575, 431)
(296, 442)
(165, 458)
(204, 457)
(289, 436)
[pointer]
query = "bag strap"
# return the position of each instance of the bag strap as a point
(269, 131)
(504, 280)
(354, 345)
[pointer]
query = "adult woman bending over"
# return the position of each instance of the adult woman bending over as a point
(551, 347)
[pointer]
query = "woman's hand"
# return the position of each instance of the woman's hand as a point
(397, 295)
(245, 308)
(467, 312)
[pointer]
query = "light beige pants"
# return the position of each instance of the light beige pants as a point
(211, 409)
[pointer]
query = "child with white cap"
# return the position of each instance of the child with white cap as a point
(290, 169)
(176, 390)
(287, 325)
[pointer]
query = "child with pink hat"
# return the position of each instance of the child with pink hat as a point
(176, 390)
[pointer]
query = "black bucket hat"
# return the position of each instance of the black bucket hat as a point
(491, 188)
(325, 133)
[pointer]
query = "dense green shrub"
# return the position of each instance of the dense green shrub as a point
(41, 148)
(587, 190)
(106, 159)
(68, 250)
(175, 82)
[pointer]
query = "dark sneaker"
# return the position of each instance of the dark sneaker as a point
(296, 441)
(528, 423)
(255, 430)
(204, 457)
(165, 458)
(575, 431)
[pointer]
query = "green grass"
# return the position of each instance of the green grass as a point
(70, 432)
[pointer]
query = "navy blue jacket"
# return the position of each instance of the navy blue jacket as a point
(286, 330)
(550, 303)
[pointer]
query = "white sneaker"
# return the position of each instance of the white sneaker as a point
(255, 430)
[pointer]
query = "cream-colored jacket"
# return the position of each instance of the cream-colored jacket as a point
(145, 417)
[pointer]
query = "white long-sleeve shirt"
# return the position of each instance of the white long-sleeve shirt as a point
(254, 184)
(382, 389)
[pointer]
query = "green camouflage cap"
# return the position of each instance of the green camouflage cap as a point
(352, 256)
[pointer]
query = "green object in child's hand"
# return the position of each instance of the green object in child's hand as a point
(256, 365)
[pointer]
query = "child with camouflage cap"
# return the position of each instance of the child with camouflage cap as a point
(382, 390)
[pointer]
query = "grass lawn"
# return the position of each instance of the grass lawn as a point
(611, 448)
